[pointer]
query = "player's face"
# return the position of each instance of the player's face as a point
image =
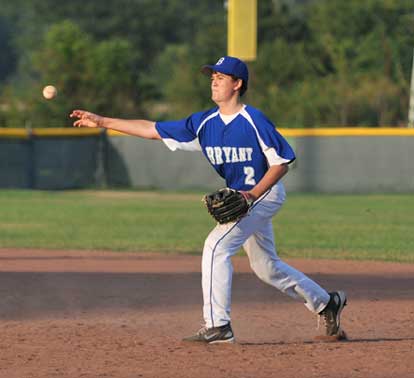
(223, 87)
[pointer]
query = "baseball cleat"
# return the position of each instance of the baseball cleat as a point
(213, 335)
(331, 314)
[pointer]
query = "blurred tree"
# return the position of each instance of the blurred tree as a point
(284, 19)
(87, 74)
(176, 71)
(279, 69)
(8, 56)
(320, 62)
(373, 50)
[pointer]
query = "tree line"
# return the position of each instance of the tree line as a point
(319, 63)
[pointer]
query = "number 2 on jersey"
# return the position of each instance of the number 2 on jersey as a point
(249, 172)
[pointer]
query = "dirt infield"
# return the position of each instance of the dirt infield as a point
(94, 314)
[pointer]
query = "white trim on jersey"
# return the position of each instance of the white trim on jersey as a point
(193, 145)
(271, 155)
(173, 145)
(212, 115)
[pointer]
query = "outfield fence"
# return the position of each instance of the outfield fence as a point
(329, 160)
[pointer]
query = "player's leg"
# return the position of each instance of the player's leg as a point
(221, 244)
(261, 249)
(217, 271)
(271, 269)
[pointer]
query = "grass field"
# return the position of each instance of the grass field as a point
(369, 227)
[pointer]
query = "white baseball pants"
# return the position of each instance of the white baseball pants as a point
(255, 234)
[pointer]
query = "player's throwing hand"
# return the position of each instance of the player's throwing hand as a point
(86, 119)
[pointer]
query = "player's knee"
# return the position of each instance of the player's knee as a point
(260, 272)
(264, 270)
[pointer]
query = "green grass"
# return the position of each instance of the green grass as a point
(368, 227)
(361, 227)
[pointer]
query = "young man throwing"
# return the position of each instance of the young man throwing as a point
(245, 149)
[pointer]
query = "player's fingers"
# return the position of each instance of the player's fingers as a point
(86, 119)
(87, 116)
(77, 113)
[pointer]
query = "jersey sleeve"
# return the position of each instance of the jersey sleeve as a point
(274, 146)
(181, 134)
(277, 150)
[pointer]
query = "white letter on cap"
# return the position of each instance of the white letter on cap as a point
(221, 60)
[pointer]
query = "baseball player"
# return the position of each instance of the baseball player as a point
(244, 148)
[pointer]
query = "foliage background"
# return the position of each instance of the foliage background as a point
(320, 62)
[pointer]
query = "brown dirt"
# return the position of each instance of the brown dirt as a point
(94, 314)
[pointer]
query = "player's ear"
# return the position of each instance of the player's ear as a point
(238, 84)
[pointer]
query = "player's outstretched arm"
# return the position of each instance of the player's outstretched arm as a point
(137, 127)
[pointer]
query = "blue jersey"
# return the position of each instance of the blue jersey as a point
(240, 150)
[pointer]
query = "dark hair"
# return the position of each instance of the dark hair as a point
(243, 88)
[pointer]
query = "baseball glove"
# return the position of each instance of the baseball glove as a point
(227, 205)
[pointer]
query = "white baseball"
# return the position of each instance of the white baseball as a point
(49, 92)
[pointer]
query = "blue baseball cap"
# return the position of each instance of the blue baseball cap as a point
(229, 65)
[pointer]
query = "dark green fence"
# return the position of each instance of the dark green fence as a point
(51, 159)
(350, 160)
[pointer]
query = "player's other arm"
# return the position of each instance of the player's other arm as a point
(271, 177)
(136, 127)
